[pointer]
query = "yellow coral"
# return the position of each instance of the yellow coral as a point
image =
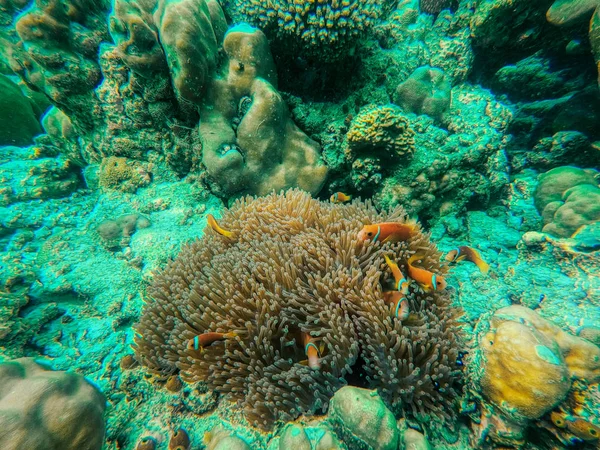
(382, 127)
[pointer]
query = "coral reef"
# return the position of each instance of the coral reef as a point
(48, 410)
(325, 30)
(426, 91)
(293, 267)
(249, 142)
(147, 93)
(527, 369)
(567, 199)
(118, 232)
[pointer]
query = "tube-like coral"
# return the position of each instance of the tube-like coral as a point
(293, 269)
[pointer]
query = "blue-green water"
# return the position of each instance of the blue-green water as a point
(248, 224)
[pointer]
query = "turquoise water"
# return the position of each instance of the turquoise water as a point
(308, 225)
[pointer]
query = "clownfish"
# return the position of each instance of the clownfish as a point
(469, 254)
(399, 304)
(206, 339)
(388, 232)
(312, 351)
(428, 280)
(399, 279)
(397, 298)
(340, 197)
(215, 226)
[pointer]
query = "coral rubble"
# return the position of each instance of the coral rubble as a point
(293, 265)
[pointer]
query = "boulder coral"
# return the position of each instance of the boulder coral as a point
(426, 91)
(567, 199)
(293, 269)
(524, 368)
(48, 410)
(249, 142)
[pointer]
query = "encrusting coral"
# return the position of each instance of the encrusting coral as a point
(294, 271)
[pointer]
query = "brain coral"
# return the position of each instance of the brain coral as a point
(323, 29)
(294, 265)
(45, 410)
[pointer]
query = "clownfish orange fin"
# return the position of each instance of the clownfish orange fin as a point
(212, 222)
(483, 266)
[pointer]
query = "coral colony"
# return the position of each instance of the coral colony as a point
(299, 224)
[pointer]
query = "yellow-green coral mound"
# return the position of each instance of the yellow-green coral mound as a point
(384, 128)
(294, 265)
(316, 28)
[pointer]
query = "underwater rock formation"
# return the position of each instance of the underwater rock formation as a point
(45, 410)
(325, 30)
(568, 198)
(287, 268)
(529, 372)
(249, 142)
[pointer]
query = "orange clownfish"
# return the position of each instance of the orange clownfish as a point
(312, 351)
(388, 232)
(397, 298)
(399, 279)
(340, 197)
(399, 304)
(469, 254)
(206, 339)
(215, 226)
(428, 280)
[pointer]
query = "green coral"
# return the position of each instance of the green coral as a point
(426, 91)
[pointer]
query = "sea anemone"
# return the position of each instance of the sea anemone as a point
(294, 266)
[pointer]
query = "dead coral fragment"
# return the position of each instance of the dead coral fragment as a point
(296, 266)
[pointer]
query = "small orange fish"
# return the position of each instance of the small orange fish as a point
(399, 304)
(428, 280)
(583, 429)
(215, 226)
(311, 350)
(206, 339)
(388, 232)
(399, 279)
(469, 254)
(340, 197)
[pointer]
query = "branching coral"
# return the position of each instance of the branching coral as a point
(324, 29)
(294, 265)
